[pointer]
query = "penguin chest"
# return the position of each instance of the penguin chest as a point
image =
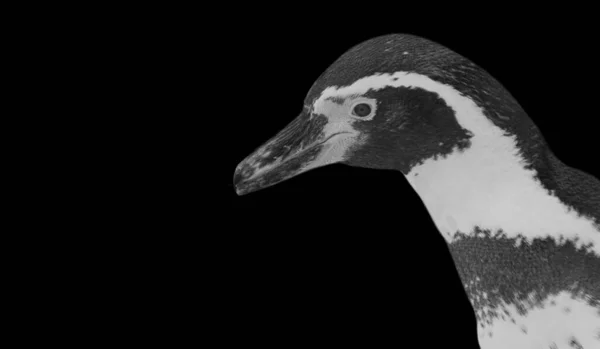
(529, 264)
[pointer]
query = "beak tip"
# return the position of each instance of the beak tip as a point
(238, 183)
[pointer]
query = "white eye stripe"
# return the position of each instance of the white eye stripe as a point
(341, 106)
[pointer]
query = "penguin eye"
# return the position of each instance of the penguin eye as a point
(362, 110)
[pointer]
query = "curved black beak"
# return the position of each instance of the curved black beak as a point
(282, 157)
(306, 143)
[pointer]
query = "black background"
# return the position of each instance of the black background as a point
(350, 256)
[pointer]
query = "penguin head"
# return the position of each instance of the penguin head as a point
(377, 107)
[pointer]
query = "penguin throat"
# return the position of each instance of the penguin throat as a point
(489, 186)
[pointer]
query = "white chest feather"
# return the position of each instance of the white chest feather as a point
(562, 321)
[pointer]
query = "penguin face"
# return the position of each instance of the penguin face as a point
(389, 125)
(366, 110)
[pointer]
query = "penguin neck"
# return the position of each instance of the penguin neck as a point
(489, 187)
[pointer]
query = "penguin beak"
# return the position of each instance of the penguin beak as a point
(306, 143)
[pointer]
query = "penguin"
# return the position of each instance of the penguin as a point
(493, 188)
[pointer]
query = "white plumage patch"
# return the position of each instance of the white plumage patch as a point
(339, 127)
(561, 321)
